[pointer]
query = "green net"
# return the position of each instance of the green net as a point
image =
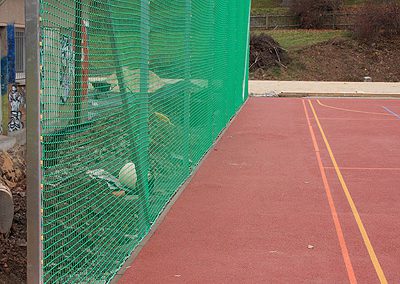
(133, 94)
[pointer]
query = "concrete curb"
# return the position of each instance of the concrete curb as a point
(327, 95)
(323, 89)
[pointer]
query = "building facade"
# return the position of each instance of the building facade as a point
(13, 12)
(12, 65)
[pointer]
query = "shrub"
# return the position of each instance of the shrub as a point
(265, 53)
(311, 13)
(377, 20)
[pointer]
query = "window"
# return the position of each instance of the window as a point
(20, 54)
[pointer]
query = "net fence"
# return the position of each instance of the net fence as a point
(133, 94)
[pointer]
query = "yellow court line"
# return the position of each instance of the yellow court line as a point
(359, 119)
(364, 169)
(353, 207)
(338, 227)
(352, 110)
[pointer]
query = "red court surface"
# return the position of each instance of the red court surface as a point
(296, 191)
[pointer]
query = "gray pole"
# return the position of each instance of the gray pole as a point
(186, 102)
(34, 261)
(78, 63)
(143, 110)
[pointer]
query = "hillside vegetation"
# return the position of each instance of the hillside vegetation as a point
(369, 48)
(330, 55)
(259, 7)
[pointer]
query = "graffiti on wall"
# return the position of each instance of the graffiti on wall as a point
(67, 70)
(67, 67)
(16, 99)
(85, 60)
(11, 53)
(3, 72)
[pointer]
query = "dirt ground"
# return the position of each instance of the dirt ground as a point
(340, 60)
(13, 246)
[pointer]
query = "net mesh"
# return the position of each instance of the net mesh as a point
(133, 94)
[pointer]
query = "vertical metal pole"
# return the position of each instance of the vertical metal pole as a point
(235, 57)
(245, 83)
(227, 42)
(144, 100)
(186, 99)
(34, 261)
(78, 63)
(211, 76)
(144, 35)
(334, 20)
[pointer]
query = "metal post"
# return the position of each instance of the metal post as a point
(245, 83)
(227, 59)
(234, 57)
(34, 261)
(266, 22)
(78, 63)
(187, 93)
(209, 78)
(143, 110)
(334, 21)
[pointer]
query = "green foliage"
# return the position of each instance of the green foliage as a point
(297, 39)
(262, 7)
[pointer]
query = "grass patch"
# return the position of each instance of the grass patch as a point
(353, 2)
(269, 11)
(265, 3)
(262, 7)
(277, 3)
(297, 39)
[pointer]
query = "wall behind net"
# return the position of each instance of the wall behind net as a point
(134, 93)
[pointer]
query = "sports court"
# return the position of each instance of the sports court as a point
(296, 191)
